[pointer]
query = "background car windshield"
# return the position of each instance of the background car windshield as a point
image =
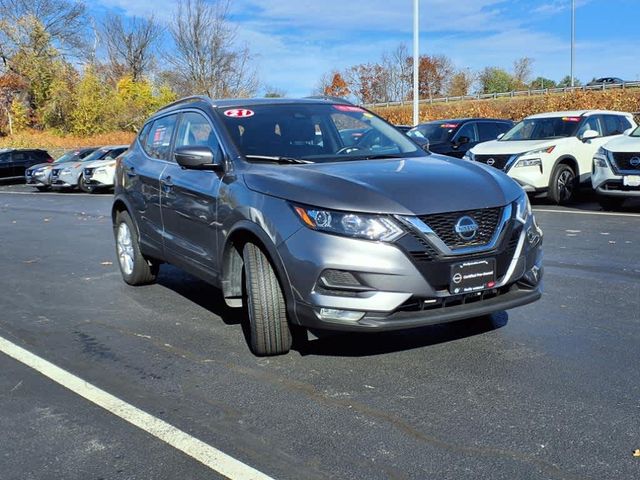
(543, 128)
(635, 133)
(434, 132)
(97, 155)
(314, 132)
(67, 157)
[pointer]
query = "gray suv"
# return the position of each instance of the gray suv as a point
(263, 199)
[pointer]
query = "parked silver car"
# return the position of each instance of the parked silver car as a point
(70, 176)
(40, 175)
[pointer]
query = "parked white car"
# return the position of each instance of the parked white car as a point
(616, 170)
(552, 153)
(100, 175)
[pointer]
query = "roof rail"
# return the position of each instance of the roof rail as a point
(185, 99)
(331, 98)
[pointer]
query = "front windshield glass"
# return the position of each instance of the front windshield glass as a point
(543, 129)
(314, 133)
(635, 133)
(97, 155)
(67, 157)
(434, 132)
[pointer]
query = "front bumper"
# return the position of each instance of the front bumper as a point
(531, 179)
(401, 289)
(102, 178)
(607, 183)
(65, 180)
(38, 180)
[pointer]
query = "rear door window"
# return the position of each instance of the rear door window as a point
(158, 141)
(488, 131)
(591, 123)
(615, 125)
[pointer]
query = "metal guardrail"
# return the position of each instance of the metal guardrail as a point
(519, 93)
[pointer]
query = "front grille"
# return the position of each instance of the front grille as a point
(623, 161)
(443, 224)
(499, 161)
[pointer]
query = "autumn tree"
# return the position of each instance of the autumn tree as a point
(338, 86)
(398, 73)
(368, 82)
(93, 112)
(435, 72)
(10, 86)
(522, 72)
(461, 83)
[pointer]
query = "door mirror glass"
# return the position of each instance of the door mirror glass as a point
(198, 157)
(589, 135)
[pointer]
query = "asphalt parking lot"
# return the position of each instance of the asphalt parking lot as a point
(546, 391)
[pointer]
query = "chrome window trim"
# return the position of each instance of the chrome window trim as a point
(426, 232)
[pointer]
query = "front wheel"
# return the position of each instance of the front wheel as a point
(134, 267)
(563, 184)
(269, 331)
(82, 184)
(610, 203)
(43, 188)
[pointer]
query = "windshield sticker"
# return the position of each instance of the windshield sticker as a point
(348, 108)
(239, 113)
(449, 125)
(571, 119)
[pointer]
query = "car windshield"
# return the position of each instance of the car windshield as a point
(635, 133)
(313, 132)
(99, 154)
(543, 129)
(67, 157)
(434, 132)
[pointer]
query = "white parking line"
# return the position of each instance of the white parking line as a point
(66, 194)
(206, 454)
(583, 212)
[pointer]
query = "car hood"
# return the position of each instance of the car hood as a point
(411, 186)
(624, 144)
(497, 147)
(40, 165)
(97, 163)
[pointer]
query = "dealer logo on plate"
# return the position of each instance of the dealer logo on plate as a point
(239, 113)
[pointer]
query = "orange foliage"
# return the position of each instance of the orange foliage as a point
(517, 108)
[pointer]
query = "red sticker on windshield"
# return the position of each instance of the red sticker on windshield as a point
(449, 125)
(348, 108)
(239, 113)
(571, 119)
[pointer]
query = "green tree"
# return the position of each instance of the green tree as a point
(566, 82)
(495, 80)
(19, 115)
(541, 82)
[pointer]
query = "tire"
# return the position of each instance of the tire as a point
(269, 332)
(134, 267)
(82, 184)
(563, 184)
(610, 203)
(43, 188)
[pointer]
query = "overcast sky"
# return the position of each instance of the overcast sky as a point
(294, 41)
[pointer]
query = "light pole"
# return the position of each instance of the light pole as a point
(573, 39)
(416, 59)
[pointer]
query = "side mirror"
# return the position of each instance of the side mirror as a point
(589, 135)
(500, 136)
(423, 142)
(197, 157)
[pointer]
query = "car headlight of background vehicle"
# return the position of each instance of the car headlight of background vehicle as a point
(358, 225)
(523, 208)
(600, 158)
(535, 161)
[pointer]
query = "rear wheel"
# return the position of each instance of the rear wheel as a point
(563, 184)
(269, 332)
(135, 268)
(610, 203)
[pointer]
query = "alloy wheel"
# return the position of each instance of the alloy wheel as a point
(125, 249)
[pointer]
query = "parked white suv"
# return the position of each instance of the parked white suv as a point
(552, 153)
(616, 170)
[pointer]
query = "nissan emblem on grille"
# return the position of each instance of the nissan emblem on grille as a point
(635, 162)
(491, 161)
(466, 228)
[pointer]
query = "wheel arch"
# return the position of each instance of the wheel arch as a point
(569, 160)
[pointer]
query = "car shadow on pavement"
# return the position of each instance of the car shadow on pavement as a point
(370, 344)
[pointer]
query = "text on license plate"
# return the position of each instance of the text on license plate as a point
(473, 276)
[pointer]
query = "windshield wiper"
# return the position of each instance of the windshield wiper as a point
(267, 158)
(380, 156)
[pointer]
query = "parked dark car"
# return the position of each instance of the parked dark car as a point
(454, 137)
(320, 235)
(404, 128)
(14, 162)
(40, 175)
(605, 81)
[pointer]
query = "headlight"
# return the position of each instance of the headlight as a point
(600, 158)
(531, 162)
(523, 208)
(539, 151)
(370, 227)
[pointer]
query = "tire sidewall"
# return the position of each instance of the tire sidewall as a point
(555, 193)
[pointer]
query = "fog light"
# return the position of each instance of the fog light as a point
(532, 277)
(335, 314)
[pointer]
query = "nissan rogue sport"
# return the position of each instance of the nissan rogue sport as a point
(262, 199)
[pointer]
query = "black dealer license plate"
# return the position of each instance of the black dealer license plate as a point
(472, 276)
